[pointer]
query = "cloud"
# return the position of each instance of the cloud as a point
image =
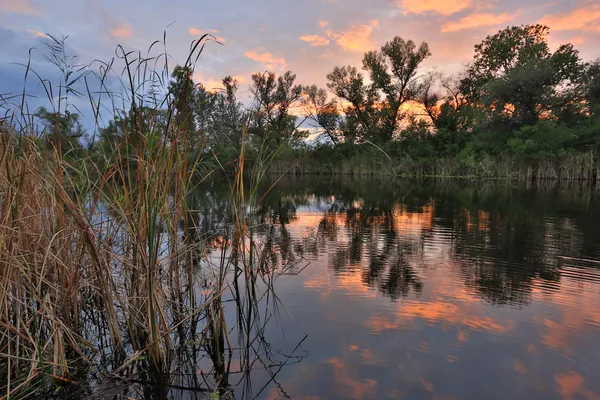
(358, 38)
(36, 33)
(200, 32)
(268, 59)
(443, 7)
(477, 20)
(121, 31)
(315, 40)
(585, 19)
(323, 24)
(19, 7)
(214, 85)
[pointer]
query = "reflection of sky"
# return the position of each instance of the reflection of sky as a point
(446, 340)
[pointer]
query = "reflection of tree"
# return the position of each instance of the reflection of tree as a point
(503, 237)
(374, 247)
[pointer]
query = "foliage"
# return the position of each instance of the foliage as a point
(374, 109)
(515, 74)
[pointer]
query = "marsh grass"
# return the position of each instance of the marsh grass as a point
(101, 260)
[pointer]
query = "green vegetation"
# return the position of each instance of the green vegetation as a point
(104, 271)
(99, 253)
(518, 110)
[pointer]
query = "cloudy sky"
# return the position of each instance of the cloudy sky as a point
(308, 37)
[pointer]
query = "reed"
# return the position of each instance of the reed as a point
(100, 258)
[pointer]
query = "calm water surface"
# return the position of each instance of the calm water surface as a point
(430, 290)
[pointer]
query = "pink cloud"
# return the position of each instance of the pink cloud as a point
(268, 59)
(443, 7)
(358, 38)
(584, 19)
(477, 20)
(36, 33)
(121, 31)
(200, 32)
(214, 85)
(315, 40)
(19, 7)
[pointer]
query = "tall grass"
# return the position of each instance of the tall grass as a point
(100, 260)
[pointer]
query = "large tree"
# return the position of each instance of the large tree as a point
(219, 116)
(184, 95)
(514, 73)
(274, 99)
(374, 109)
(322, 112)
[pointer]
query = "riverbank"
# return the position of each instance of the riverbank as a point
(370, 161)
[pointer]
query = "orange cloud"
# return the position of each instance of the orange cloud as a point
(357, 38)
(347, 386)
(214, 85)
(323, 24)
(200, 32)
(571, 386)
(585, 19)
(122, 31)
(443, 7)
(269, 60)
(315, 40)
(18, 7)
(36, 33)
(477, 20)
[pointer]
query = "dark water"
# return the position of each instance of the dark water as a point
(430, 290)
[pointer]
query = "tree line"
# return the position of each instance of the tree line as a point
(516, 97)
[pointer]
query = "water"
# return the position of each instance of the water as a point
(427, 290)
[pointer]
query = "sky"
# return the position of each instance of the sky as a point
(308, 37)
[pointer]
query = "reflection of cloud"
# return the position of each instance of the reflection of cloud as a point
(519, 367)
(570, 385)
(412, 222)
(477, 20)
(454, 314)
(349, 387)
(19, 7)
(315, 40)
(268, 59)
(586, 19)
(444, 7)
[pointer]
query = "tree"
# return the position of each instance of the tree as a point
(375, 109)
(184, 93)
(220, 116)
(64, 127)
(590, 85)
(515, 75)
(324, 113)
(274, 98)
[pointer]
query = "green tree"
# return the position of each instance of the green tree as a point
(274, 98)
(590, 85)
(220, 118)
(514, 74)
(61, 129)
(184, 94)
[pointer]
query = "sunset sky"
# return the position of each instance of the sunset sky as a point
(308, 37)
